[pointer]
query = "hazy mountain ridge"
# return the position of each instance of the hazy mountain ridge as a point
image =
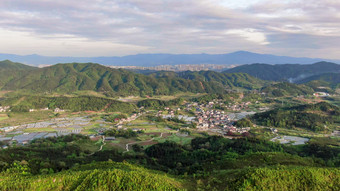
(286, 72)
(147, 60)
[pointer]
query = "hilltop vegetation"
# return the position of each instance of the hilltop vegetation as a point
(228, 80)
(325, 80)
(7, 65)
(287, 89)
(81, 103)
(277, 178)
(66, 78)
(315, 117)
(11, 70)
(96, 176)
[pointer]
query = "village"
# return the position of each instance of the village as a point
(4, 109)
(209, 119)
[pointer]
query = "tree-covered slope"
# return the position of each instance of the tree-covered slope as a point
(287, 89)
(95, 77)
(275, 178)
(289, 72)
(82, 103)
(96, 176)
(316, 117)
(7, 64)
(328, 79)
(230, 80)
(12, 70)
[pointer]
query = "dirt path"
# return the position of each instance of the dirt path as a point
(202, 85)
(106, 106)
(101, 146)
(20, 100)
(127, 145)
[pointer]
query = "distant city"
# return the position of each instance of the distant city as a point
(184, 67)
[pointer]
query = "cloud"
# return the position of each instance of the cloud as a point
(170, 26)
(250, 34)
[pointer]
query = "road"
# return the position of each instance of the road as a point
(101, 146)
(127, 145)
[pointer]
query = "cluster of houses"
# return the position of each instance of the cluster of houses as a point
(43, 109)
(238, 106)
(220, 103)
(208, 118)
(211, 118)
(7, 108)
(56, 110)
(4, 108)
(321, 94)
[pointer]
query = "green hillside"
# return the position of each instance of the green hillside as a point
(316, 117)
(96, 176)
(325, 80)
(275, 178)
(82, 103)
(66, 78)
(7, 64)
(230, 80)
(11, 71)
(125, 176)
(206, 163)
(291, 72)
(287, 89)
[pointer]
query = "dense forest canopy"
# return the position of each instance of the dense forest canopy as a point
(314, 117)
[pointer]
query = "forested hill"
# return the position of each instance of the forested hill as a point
(7, 64)
(229, 80)
(73, 77)
(331, 79)
(286, 72)
(286, 89)
(315, 117)
(12, 70)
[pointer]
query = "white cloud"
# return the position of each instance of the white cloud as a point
(110, 28)
(250, 34)
(56, 45)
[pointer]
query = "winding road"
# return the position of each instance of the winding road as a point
(101, 146)
(127, 145)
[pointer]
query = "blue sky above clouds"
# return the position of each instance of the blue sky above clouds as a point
(122, 27)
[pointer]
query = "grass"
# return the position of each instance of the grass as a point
(299, 132)
(89, 145)
(144, 137)
(88, 132)
(3, 117)
(24, 118)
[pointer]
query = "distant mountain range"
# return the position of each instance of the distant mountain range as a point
(286, 72)
(149, 60)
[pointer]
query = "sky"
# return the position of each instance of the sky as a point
(124, 27)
